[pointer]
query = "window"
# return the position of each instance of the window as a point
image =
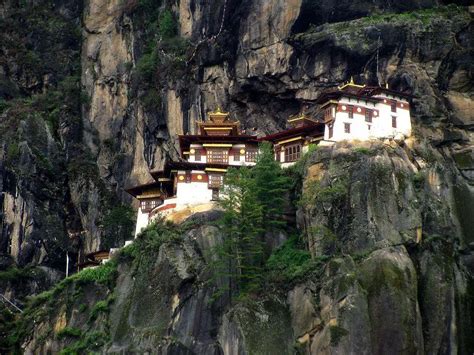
(347, 128)
(331, 131)
(218, 156)
(394, 122)
(215, 194)
(215, 180)
(188, 177)
(251, 155)
(236, 155)
(393, 105)
(292, 152)
(351, 111)
(328, 114)
(368, 127)
(197, 155)
(368, 115)
(149, 204)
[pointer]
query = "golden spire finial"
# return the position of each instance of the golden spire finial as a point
(352, 80)
(386, 85)
(218, 109)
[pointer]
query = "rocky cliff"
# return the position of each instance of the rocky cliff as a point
(390, 272)
(94, 93)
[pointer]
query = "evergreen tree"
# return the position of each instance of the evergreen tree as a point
(252, 200)
(240, 257)
(271, 187)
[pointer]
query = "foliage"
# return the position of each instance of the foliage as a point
(118, 225)
(15, 274)
(163, 52)
(87, 342)
(167, 27)
(291, 262)
(315, 193)
(147, 66)
(147, 244)
(252, 200)
(425, 16)
(151, 100)
(104, 274)
(69, 332)
(102, 306)
(241, 255)
(271, 186)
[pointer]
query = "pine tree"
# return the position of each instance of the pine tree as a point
(252, 200)
(272, 186)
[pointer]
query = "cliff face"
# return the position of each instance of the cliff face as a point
(93, 95)
(391, 272)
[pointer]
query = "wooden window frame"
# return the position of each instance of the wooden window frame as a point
(350, 111)
(347, 128)
(147, 205)
(368, 115)
(212, 155)
(197, 155)
(251, 155)
(293, 152)
(330, 131)
(394, 121)
(393, 106)
(215, 181)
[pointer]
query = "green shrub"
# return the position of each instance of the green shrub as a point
(69, 332)
(118, 224)
(16, 274)
(290, 263)
(101, 307)
(103, 274)
(88, 342)
(167, 25)
(315, 193)
(151, 100)
(147, 66)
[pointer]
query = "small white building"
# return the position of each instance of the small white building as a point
(359, 112)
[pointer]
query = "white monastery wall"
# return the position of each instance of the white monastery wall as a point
(142, 221)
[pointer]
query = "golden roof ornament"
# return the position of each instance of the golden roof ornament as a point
(218, 116)
(350, 83)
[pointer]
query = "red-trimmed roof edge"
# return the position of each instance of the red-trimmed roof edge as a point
(289, 133)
